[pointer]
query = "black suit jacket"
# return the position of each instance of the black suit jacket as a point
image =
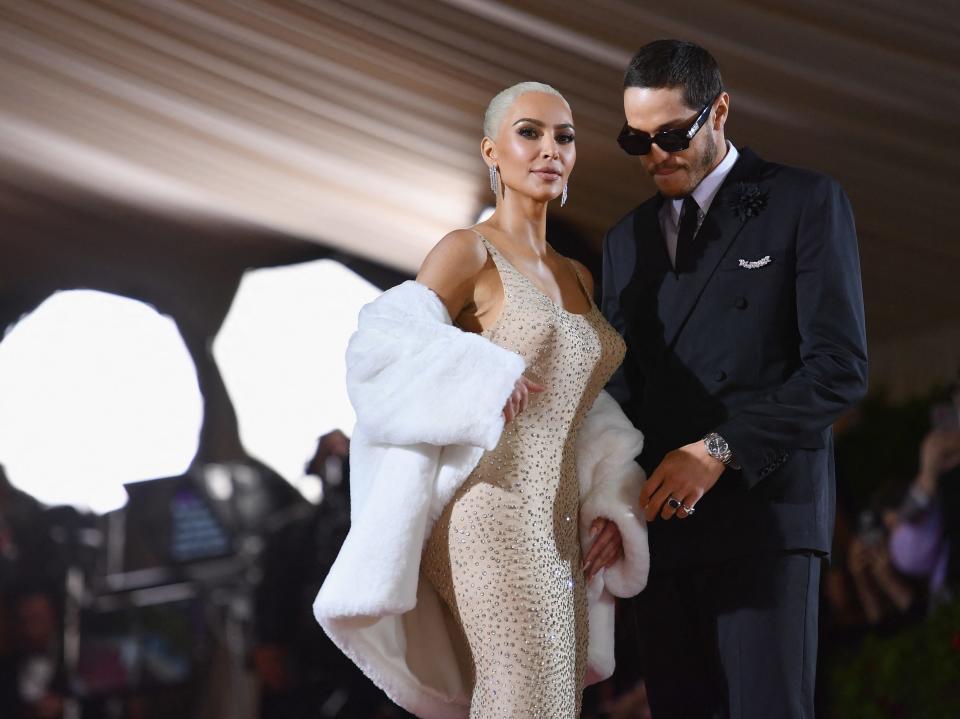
(768, 355)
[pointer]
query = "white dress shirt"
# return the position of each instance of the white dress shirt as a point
(703, 194)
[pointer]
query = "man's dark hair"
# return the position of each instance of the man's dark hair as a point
(676, 63)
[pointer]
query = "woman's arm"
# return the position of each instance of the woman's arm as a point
(451, 269)
(610, 483)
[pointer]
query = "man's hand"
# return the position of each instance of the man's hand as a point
(686, 474)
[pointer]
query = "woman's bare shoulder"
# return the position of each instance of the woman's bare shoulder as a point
(450, 269)
(460, 252)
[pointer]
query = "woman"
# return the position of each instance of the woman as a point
(501, 574)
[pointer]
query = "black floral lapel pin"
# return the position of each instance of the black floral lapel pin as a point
(749, 200)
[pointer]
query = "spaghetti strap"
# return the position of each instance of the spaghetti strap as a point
(583, 285)
(510, 277)
(519, 280)
(491, 248)
(511, 281)
(492, 251)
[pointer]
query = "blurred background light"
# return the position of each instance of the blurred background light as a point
(281, 354)
(95, 390)
(485, 213)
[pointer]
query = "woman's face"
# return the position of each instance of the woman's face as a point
(534, 147)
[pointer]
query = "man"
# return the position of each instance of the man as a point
(737, 289)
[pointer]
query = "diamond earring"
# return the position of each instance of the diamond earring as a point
(494, 180)
(563, 197)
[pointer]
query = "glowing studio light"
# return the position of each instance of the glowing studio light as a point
(95, 390)
(281, 354)
(485, 213)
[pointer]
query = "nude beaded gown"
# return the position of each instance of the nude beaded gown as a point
(505, 553)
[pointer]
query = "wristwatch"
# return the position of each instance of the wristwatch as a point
(718, 448)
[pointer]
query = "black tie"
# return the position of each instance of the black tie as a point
(688, 228)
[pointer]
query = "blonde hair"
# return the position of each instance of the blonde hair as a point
(504, 99)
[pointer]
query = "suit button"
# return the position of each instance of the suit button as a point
(720, 376)
(740, 303)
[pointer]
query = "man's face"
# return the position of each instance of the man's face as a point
(650, 110)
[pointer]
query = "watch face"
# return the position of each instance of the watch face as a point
(717, 446)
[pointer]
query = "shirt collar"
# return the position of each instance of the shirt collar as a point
(709, 186)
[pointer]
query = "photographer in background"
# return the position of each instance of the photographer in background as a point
(884, 595)
(926, 525)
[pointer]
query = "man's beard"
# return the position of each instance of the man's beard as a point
(707, 160)
(698, 170)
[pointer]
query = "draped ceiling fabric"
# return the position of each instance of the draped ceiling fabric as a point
(356, 124)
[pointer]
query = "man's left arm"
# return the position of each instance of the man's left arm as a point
(833, 348)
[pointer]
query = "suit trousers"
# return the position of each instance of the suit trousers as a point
(733, 641)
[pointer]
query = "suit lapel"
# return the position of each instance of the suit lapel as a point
(680, 294)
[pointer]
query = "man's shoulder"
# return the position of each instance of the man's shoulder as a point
(800, 179)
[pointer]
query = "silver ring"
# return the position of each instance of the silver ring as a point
(674, 502)
(688, 510)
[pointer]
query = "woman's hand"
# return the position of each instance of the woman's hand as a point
(517, 402)
(606, 550)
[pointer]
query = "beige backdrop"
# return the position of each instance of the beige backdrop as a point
(356, 124)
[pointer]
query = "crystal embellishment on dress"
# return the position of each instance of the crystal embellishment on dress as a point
(514, 584)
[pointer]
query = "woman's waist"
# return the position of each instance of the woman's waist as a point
(546, 432)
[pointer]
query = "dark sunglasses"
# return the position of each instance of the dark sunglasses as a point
(639, 143)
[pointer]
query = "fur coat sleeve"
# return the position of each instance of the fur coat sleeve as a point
(429, 401)
(415, 378)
